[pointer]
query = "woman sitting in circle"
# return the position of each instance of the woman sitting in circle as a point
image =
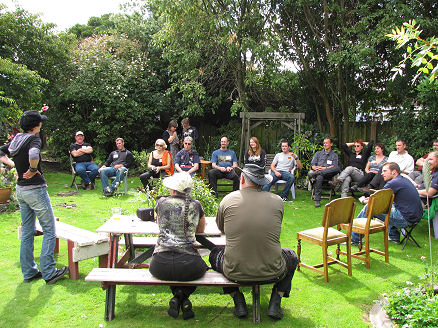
(374, 165)
(255, 154)
(160, 163)
(175, 258)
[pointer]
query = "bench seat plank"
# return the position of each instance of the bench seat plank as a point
(144, 277)
(140, 242)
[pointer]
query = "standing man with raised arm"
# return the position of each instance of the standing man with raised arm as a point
(33, 200)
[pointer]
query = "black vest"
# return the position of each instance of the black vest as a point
(21, 160)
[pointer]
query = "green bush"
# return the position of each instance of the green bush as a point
(200, 192)
(412, 307)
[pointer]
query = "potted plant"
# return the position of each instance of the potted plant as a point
(8, 177)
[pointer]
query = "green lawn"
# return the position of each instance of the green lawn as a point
(343, 302)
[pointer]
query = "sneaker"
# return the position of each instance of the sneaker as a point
(174, 305)
(116, 185)
(240, 309)
(59, 273)
(274, 308)
(317, 203)
(107, 192)
(394, 241)
(354, 188)
(335, 182)
(285, 199)
(37, 276)
(186, 308)
(88, 187)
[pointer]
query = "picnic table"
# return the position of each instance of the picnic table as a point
(128, 225)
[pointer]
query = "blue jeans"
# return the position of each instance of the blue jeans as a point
(286, 176)
(396, 220)
(36, 203)
(108, 172)
(82, 168)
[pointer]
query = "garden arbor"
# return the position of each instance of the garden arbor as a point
(292, 121)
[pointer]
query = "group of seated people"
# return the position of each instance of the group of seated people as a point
(248, 216)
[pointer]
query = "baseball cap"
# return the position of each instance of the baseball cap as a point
(31, 119)
(79, 132)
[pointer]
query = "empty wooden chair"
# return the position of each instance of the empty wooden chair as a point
(379, 203)
(338, 211)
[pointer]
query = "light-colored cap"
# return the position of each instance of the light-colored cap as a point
(79, 132)
(179, 182)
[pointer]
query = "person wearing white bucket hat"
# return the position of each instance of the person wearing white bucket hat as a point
(179, 217)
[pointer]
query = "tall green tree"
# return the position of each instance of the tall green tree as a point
(217, 50)
(341, 49)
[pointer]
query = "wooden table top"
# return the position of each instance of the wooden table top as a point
(132, 224)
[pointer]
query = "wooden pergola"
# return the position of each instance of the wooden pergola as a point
(291, 120)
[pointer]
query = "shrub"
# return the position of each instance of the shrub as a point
(200, 192)
(412, 307)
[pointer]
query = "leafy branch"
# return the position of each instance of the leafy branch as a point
(423, 54)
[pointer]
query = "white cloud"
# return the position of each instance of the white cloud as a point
(66, 14)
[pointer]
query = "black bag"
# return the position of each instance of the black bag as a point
(146, 214)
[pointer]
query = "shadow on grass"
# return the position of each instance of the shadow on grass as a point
(23, 307)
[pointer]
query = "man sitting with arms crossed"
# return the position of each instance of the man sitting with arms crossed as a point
(406, 208)
(251, 220)
(187, 159)
(116, 165)
(281, 169)
(81, 153)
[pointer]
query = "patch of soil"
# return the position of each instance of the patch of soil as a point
(67, 193)
(66, 205)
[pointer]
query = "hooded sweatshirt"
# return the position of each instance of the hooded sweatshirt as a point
(23, 148)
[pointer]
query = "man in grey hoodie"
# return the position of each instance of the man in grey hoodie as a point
(33, 199)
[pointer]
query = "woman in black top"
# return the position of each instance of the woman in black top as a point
(255, 154)
(357, 161)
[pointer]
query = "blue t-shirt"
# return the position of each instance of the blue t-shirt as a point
(186, 160)
(223, 158)
(434, 182)
(406, 198)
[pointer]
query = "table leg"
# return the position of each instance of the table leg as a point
(129, 243)
(110, 303)
(113, 251)
(256, 304)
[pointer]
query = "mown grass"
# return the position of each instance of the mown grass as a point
(343, 302)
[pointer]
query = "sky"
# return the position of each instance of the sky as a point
(66, 14)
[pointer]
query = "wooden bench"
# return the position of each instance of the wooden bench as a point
(146, 242)
(81, 244)
(110, 277)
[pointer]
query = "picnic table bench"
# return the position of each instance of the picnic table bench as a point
(110, 277)
(81, 244)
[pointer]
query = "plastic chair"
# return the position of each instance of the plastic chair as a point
(338, 211)
(379, 203)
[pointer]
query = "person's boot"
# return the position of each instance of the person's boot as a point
(186, 307)
(240, 309)
(274, 308)
(174, 305)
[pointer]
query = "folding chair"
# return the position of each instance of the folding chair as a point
(407, 235)
(336, 212)
(74, 174)
(378, 203)
(125, 180)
